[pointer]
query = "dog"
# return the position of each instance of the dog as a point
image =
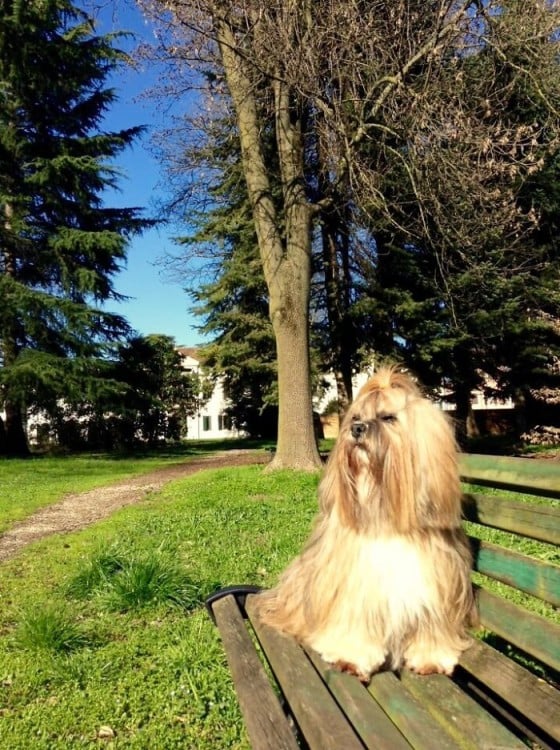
(384, 579)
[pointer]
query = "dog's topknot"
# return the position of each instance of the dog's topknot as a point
(390, 377)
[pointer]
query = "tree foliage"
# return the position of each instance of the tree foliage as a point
(60, 244)
(463, 306)
(226, 282)
(158, 394)
(148, 398)
(409, 134)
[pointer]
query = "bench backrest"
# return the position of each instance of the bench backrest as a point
(513, 514)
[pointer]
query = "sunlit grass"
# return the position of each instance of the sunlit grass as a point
(50, 628)
(32, 483)
(124, 579)
(150, 664)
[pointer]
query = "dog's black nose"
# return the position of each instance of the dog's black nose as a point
(358, 429)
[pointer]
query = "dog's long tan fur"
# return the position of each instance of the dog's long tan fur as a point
(385, 577)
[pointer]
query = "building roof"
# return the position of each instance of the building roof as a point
(189, 351)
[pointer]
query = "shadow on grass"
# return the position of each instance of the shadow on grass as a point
(164, 451)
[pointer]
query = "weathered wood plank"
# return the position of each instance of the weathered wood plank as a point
(267, 725)
(413, 719)
(516, 474)
(369, 720)
(528, 694)
(531, 633)
(535, 577)
(472, 726)
(321, 721)
(533, 735)
(534, 521)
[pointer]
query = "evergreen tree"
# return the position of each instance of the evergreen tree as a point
(456, 295)
(60, 245)
(147, 400)
(158, 394)
(234, 303)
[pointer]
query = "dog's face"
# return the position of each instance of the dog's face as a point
(394, 463)
(380, 414)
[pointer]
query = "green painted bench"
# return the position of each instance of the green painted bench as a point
(504, 693)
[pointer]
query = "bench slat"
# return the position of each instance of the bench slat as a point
(531, 696)
(535, 577)
(515, 474)
(320, 719)
(529, 632)
(419, 727)
(459, 714)
(266, 723)
(534, 521)
(368, 718)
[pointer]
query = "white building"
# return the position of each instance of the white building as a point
(330, 423)
(211, 421)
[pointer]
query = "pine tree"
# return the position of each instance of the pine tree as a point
(60, 245)
(158, 394)
(234, 304)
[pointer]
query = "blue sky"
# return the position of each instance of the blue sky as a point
(156, 304)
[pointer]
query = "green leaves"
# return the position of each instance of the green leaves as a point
(60, 245)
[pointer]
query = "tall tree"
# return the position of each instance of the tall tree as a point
(390, 92)
(60, 245)
(461, 304)
(219, 265)
(234, 305)
(147, 399)
(217, 262)
(159, 395)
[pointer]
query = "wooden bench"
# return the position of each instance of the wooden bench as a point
(504, 694)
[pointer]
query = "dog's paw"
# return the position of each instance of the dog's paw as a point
(351, 652)
(361, 662)
(345, 666)
(435, 663)
(427, 656)
(430, 669)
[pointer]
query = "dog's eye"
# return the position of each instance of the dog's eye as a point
(388, 417)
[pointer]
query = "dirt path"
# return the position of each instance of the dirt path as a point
(80, 510)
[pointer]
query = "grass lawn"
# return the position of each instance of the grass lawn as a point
(103, 640)
(32, 483)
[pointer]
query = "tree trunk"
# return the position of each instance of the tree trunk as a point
(2, 437)
(337, 280)
(14, 439)
(285, 252)
(521, 423)
(15, 443)
(466, 424)
(296, 446)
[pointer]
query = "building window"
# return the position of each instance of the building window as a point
(224, 422)
(206, 423)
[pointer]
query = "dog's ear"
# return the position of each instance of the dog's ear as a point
(338, 486)
(436, 466)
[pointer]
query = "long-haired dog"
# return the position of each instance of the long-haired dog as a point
(384, 579)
